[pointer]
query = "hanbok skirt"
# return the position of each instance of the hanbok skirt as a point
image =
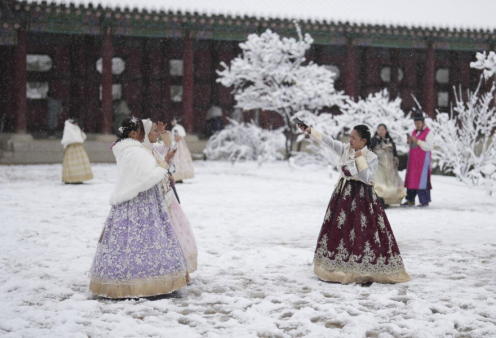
(184, 233)
(356, 243)
(387, 182)
(138, 254)
(76, 166)
(183, 162)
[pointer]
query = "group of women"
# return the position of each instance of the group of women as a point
(147, 247)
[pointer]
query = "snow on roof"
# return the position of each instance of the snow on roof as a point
(440, 14)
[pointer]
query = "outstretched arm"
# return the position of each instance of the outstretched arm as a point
(336, 146)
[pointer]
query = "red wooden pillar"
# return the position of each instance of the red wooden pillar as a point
(351, 71)
(394, 88)
(188, 83)
(429, 90)
(20, 81)
(107, 81)
(165, 114)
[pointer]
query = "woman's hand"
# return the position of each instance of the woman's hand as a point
(170, 155)
(161, 127)
(358, 154)
(413, 139)
(306, 130)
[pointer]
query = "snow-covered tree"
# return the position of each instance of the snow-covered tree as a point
(465, 142)
(377, 108)
(487, 62)
(246, 141)
(271, 74)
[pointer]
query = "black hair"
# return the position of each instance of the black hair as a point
(364, 133)
(128, 125)
(388, 137)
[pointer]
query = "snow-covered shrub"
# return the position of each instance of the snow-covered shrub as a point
(246, 141)
(271, 74)
(465, 139)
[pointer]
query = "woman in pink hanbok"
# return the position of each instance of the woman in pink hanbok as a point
(161, 152)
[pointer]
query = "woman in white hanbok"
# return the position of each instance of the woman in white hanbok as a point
(387, 182)
(182, 160)
(76, 167)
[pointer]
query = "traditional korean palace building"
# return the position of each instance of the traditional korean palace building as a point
(161, 56)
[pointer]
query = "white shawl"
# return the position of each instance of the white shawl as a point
(137, 171)
(72, 134)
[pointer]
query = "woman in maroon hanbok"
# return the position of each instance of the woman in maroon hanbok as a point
(356, 243)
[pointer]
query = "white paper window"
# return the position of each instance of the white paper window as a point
(335, 69)
(386, 74)
(36, 90)
(116, 91)
(176, 67)
(176, 93)
(118, 66)
(38, 63)
(443, 99)
(442, 75)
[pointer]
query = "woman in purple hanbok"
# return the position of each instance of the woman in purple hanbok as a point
(356, 243)
(138, 253)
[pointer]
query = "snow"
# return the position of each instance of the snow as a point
(450, 14)
(256, 230)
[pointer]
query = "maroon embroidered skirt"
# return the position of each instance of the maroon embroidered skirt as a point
(356, 243)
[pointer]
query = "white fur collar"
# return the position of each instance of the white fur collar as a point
(137, 171)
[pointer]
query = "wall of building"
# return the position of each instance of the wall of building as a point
(151, 80)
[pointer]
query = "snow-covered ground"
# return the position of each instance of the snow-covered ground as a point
(256, 229)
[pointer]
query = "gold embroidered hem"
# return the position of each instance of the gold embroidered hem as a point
(138, 287)
(355, 277)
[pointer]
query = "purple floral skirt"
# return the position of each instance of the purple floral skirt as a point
(138, 253)
(356, 243)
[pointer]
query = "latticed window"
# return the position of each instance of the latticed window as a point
(176, 67)
(37, 90)
(118, 65)
(116, 91)
(386, 74)
(38, 63)
(443, 99)
(442, 75)
(335, 69)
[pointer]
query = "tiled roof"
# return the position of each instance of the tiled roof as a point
(437, 14)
